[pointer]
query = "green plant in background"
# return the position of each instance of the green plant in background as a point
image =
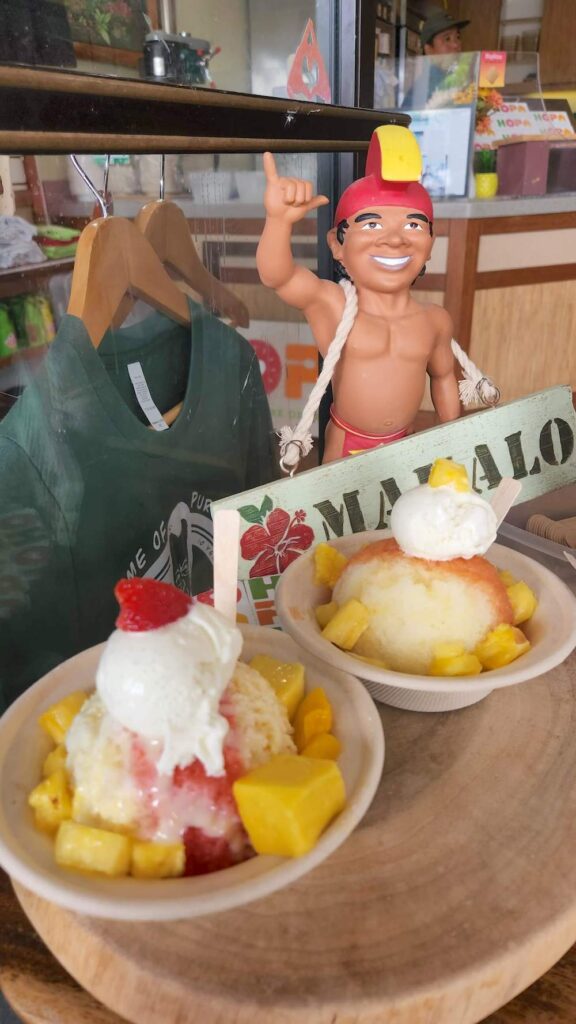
(107, 22)
(458, 85)
(485, 161)
(462, 73)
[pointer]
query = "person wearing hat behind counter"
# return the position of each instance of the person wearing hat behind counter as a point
(440, 39)
(441, 34)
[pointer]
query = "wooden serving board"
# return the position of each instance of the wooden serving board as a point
(456, 892)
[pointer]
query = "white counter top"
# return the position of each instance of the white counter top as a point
(504, 206)
(128, 206)
(457, 209)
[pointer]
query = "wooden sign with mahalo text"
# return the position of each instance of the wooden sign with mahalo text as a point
(530, 440)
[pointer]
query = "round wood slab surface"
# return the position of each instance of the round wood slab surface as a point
(456, 892)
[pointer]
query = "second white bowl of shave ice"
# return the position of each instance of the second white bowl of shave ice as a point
(551, 631)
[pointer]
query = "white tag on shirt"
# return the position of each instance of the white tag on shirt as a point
(144, 398)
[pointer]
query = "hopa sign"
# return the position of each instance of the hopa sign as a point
(531, 440)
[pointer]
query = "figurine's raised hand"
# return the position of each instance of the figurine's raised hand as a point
(288, 199)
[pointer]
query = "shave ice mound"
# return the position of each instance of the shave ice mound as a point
(427, 601)
(185, 760)
(417, 604)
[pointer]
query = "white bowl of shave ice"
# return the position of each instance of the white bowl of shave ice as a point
(439, 527)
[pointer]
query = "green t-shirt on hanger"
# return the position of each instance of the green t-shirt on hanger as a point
(90, 492)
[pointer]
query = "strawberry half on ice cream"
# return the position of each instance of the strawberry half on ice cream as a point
(172, 726)
(148, 604)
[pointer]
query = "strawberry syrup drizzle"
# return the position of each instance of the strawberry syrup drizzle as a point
(204, 852)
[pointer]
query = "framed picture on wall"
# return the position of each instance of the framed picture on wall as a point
(111, 31)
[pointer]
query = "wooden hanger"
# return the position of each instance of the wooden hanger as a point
(165, 226)
(114, 258)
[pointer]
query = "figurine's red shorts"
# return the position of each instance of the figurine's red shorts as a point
(355, 441)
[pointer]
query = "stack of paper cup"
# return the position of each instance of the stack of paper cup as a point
(561, 531)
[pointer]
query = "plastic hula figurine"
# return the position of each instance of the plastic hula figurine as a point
(376, 340)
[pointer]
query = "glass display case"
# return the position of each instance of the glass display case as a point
(482, 123)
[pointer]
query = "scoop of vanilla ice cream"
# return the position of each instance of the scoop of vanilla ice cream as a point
(166, 684)
(440, 523)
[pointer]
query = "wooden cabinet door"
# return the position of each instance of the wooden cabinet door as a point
(484, 29)
(557, 46)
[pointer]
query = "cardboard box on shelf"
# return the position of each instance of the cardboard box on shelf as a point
(523, 167)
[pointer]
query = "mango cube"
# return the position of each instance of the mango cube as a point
(347, 625)
(454, 660)
(59, 717)
(286, 679)
(54, 760)
(445, 472)
(325, 612)
(287, 803)
(314, 716)
(502, 645)
(51, 801)
(325, 746)
(523, 601)
(92, 849)
(328, 565)
(157, 860)
(507, 578)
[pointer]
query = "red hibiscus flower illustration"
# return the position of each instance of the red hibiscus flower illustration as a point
(277, 543)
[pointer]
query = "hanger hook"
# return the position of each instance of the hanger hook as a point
(97, 195)
(105, 187)
(162, 163)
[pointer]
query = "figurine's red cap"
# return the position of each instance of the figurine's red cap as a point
(393, 167)
(370, 192)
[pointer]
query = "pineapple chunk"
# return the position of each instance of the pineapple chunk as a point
(523, 601)
(502, 645)
(157, 860)
(286, 679)
(325, 746)
(325, 612)
(51, 801)
(313, 717)
(92, 849)
(328, 565)
(445, 472)
(347, 625)
(59, 717)
(507, 578)
(55, 759)
(454, 660)
(287, 803)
